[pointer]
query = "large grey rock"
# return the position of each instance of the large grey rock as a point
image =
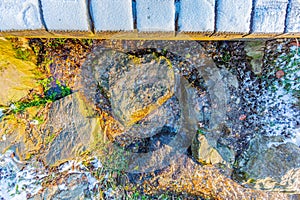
(17, 76)
(208, 150)
(155, 15)
(207, 181)
(70, 129)
(112, 15)
(176, 111)
(234, 16)
(255, 50)
(210, 145)
(197, 16)
(218, 82)
(269, 16)
(20, 15)
(270, 163)
(75, 186)
(148, 85)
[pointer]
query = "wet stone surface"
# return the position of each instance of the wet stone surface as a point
(135, 86)
(218, 120)
(149, 92)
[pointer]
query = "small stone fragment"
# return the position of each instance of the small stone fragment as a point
(279, 74)
(242, 117)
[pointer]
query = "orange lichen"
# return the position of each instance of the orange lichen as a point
(141, 113)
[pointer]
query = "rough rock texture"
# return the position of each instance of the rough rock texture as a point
(180, 118)
(147, 86)
(15, 137)
(17, 76)
(209, 150)
(208, 181)
(203, 98)
(197, 103)
(75, 186)
(255, 50)
(166, 115)
(270, 163)
(70, 130)
(210, 146)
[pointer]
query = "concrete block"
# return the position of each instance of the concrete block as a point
(197, 16)
(293, 17)
(269, 16)
(20, 15)
(234, 16)
(112, 15)
(66, 15)
(155, 15)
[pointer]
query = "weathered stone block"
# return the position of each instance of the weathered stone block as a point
(234, 16)
(269, 16)
(155, 15)
(197, 16)
(66, 15)
(20, 15)
(72, 127)
(112, 15)
(293, 17)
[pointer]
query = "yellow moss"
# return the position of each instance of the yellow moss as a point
(17, 76)
(163, 99)
(139, 114)
(135, 60)
(138, 61)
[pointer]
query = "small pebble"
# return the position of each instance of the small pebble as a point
(279, 74)
(242, 117)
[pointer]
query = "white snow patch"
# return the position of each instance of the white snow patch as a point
(62, 15)
(4, 137)
(284, 115)
(20, 15)
(230, 18)
(16, 183)
(96, 163)
(1, 112)
(18, 179)
(62, 187)
(155, 15)
(269, 16)
(112, 15)
(13, 106)
(197, 15)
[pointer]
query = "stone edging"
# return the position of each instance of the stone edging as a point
(157, 19)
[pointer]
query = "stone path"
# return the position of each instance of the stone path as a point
(143, 19)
